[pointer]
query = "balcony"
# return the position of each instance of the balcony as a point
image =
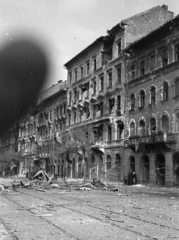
(153, 142)
(119, 142)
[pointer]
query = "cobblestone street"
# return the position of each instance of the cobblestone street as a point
(129, 213)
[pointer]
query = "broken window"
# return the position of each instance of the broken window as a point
(110, 79)
(69, 119)
(165, 123)
(87, 111)
(108, 163)
(76, 75)
(132, 129)
(119, 102)
(87, 67)
(94, 64)
(177, 52)
(133, 70)
(152, 62)
(177, 87)
(94, 87)
(70, 77)
(153, 95)
(69, 99)
(109, 133)
(164, 58)
(81, 71)
(153, 125)
(118, 68)
(111, 104)
(142, 128)
(75, 95)
(120, 128)
(142, 98)
(132, 101)
(74, 117)
(101, 83)
(165, 91)
(142, 68)
(119, 47)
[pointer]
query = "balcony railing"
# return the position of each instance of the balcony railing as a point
(158, 137)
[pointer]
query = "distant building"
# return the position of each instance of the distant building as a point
(40, 129)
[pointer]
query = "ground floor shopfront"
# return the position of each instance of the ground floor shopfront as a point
(156, 168)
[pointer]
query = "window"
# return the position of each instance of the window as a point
(110, 79)
(177, 87)
(70, 77)
(132, 101)
(142, 68)
(64, 109)
(153, 93)
(177, 121)
(74, 117)
(120, 128)
(109, 133)
(82, 71)
(153, 125)
(164, 58)
(87, 67)
(108, 163)
(142, 128)
(142, 98)
(101, 83)
(165, 123)
(94, 87)
(101, 108)
(94, 64)
(132, 129)
(69, 99)
(152, 62)
(60, 110)
(69, 119)
(177, 52)
(165, 91)
(57, 113)
(76, 75)
(111, 104)
(133, 72)
(118, 68)
(119, 102)
(75, 95)
(119, 47)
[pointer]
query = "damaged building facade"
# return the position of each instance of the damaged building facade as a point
(96, 92)
(39, 131)
(152, 88)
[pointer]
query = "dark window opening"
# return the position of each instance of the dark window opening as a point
(142, 68)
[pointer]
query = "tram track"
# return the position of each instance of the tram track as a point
(112, 222)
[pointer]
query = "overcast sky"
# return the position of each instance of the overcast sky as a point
(68, 25)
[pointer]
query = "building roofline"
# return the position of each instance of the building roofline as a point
(154, 32)
(93, 44)
(124, 21)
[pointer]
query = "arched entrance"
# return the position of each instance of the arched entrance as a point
(132, 163)
(108, 168)
(100, 165)
(93, 168)
(80, 167)
(117, 167)
(176, 168)
(160, 169)
(145, 168)
(73, 168)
